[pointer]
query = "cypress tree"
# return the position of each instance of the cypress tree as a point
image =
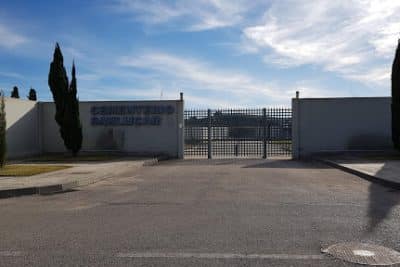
(72, 122)
(58, 83)
(14, 92)
(3, 145)
(32, 95)
(66, 102)
(396, 99)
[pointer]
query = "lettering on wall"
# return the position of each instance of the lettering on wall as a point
(129, 115)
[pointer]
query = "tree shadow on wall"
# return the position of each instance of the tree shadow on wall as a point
(110, 139)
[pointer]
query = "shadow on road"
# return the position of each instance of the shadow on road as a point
(381, 201)
(289, 163)
(278, 163)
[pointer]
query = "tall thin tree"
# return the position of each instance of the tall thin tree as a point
(66, 102)
(58, 83)
(72, 122)
(396, 98)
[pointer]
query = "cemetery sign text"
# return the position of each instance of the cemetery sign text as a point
(129, 115)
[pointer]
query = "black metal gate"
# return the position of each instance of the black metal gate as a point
(231, 133)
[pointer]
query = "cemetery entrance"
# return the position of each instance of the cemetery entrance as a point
(230, 133)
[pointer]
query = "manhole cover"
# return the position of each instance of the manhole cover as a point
(363, 253)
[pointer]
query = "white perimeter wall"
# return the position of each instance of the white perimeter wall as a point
(166, 138)
(32, 130)
(340, 124)
(23, 129)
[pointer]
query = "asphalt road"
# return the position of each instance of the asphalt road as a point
(201, 213)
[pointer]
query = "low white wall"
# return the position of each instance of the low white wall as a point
(340, 124)
(164, 135)
(153, 128)
(23, 129)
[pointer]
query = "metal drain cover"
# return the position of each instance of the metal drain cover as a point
(363, 253)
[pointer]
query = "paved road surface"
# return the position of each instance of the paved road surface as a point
(201, 213)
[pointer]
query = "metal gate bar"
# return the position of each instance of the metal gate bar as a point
(238, 132)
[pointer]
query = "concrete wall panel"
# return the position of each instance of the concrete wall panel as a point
(166, 138)
(340, 124)
(23, 129)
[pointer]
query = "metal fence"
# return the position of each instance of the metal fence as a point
(238, 132)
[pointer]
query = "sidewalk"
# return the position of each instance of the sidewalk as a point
(80, 174)
(380, 169)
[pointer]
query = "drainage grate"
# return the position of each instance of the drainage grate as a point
(363, 253)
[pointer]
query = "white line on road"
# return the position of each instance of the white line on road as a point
(184, 255)
(9, 253)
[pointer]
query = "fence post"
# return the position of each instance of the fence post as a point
(180, 120)
(264, 124)
(295, 127)
(209, 134)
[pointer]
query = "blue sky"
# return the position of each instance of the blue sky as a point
(220, 53)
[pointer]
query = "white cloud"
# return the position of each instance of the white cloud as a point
(380, 75)
(152, 12)
(197, 15)
(89, 76)
(156, 93)
(11, 74)
(307, 91)
(201, 76)
(355, 38)
(74, 53)
(9, 39)
(192, 100)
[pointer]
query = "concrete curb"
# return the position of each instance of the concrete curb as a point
(62, 187)
(37, 190)
(361, 174)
